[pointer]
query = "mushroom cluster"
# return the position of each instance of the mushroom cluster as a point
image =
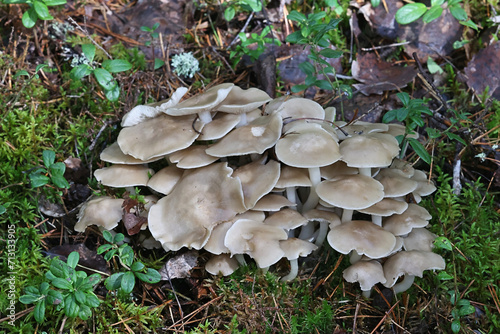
(242, 174)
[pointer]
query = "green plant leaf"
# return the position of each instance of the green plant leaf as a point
(307, 68)
(229, 13)
(443, 243)
(455, 326)
(444, 276)
(126, 255)
(110, 254)
(85, 312)
(470, 24)
(48, 157)
(433, 13)
(80, 297)
(58, 168)
(298, 88)
(80, 71)
(89, 51)
(437, 2)
(29, 18)
(114, 281)
(295, 38)
(329, 53)
(92, 300)
(128, 282)
(54, 297)
(107, 236)
(38, 180)
(3, 209)
(458, 12)
(42, 10)
(113, 94)
(55, 2)
(375, 3)
(323, 84)
(296, 16)
(39, 311)
(158, 63)
(466, 310)
(119, 237)
(116, 65)
(29, 299)
(71, 307)
(456, 137)
(104, 78)
(404, 98)
(410, 12)
(137, 266)
(420, 150)
(104, 248)
(73, 259)
(389, 116)
(61, 283)
(59, 181)
(151, 276)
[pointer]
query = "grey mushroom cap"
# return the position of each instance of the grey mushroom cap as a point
(222, 264)
(103, 211)
(256, 239)
(411, 263)
(295, 248)
(366, 273)
(419, 239)
(352, 192)
(114, 154)
(369, 150)
(140, 113)
(255, 137)
(159, 136)
(414, 216)
(122, 176)
(202, 199)
(165, 179)
(240, 100)
(362, 236)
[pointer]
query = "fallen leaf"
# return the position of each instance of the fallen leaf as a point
(378, 76)
(484, 71)
(179, 266)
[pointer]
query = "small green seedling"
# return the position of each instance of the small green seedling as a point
(314, 32)
(261, 41)
(68, 290)
(124, 281)
(241, 5)
(102, 74)
(52, 173)
(411, 115)
(152, 32)
(413, 11)
(38, 9)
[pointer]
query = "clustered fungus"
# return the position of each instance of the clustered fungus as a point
(242, 175)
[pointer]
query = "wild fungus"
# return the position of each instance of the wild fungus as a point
(202, 199)
(409, 264)
(103, 211)
(366, 273)
(293, 249)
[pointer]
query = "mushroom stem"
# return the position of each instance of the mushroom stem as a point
(291, 195)
(323, 231)
(294, 270)
(354, 257)
(404, 285)
(377, 220)
(347, 215)
(367, 293)
(365, 171)
(205, 116)
(313, 199)
(243, 120)
(241, 259)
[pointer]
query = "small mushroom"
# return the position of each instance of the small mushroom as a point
(362, 236)
(370, 150)
(419, 239)
(103, 211)
(272, 202)
(202, 104)
(165, 179)
(140, 113)
(114, 154)
(385, 208)
(409, 264)
(293, 248)
(256, 239)
(413, 217)
(351, 192)
(123, 176)
(192, 157)
(222, 264)
(366, 273)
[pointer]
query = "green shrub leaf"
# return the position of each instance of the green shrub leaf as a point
(433, 13)
(48, 157)
(128, 282)
(42, 10)
(151, 276)
(458, 13)
(80, 71)
(39, 311)
(29, 18)
(89, 51)
(104, 78)
(116, 65)
(73, 259)
(420, 150)
(410, 12)
(61, 283)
